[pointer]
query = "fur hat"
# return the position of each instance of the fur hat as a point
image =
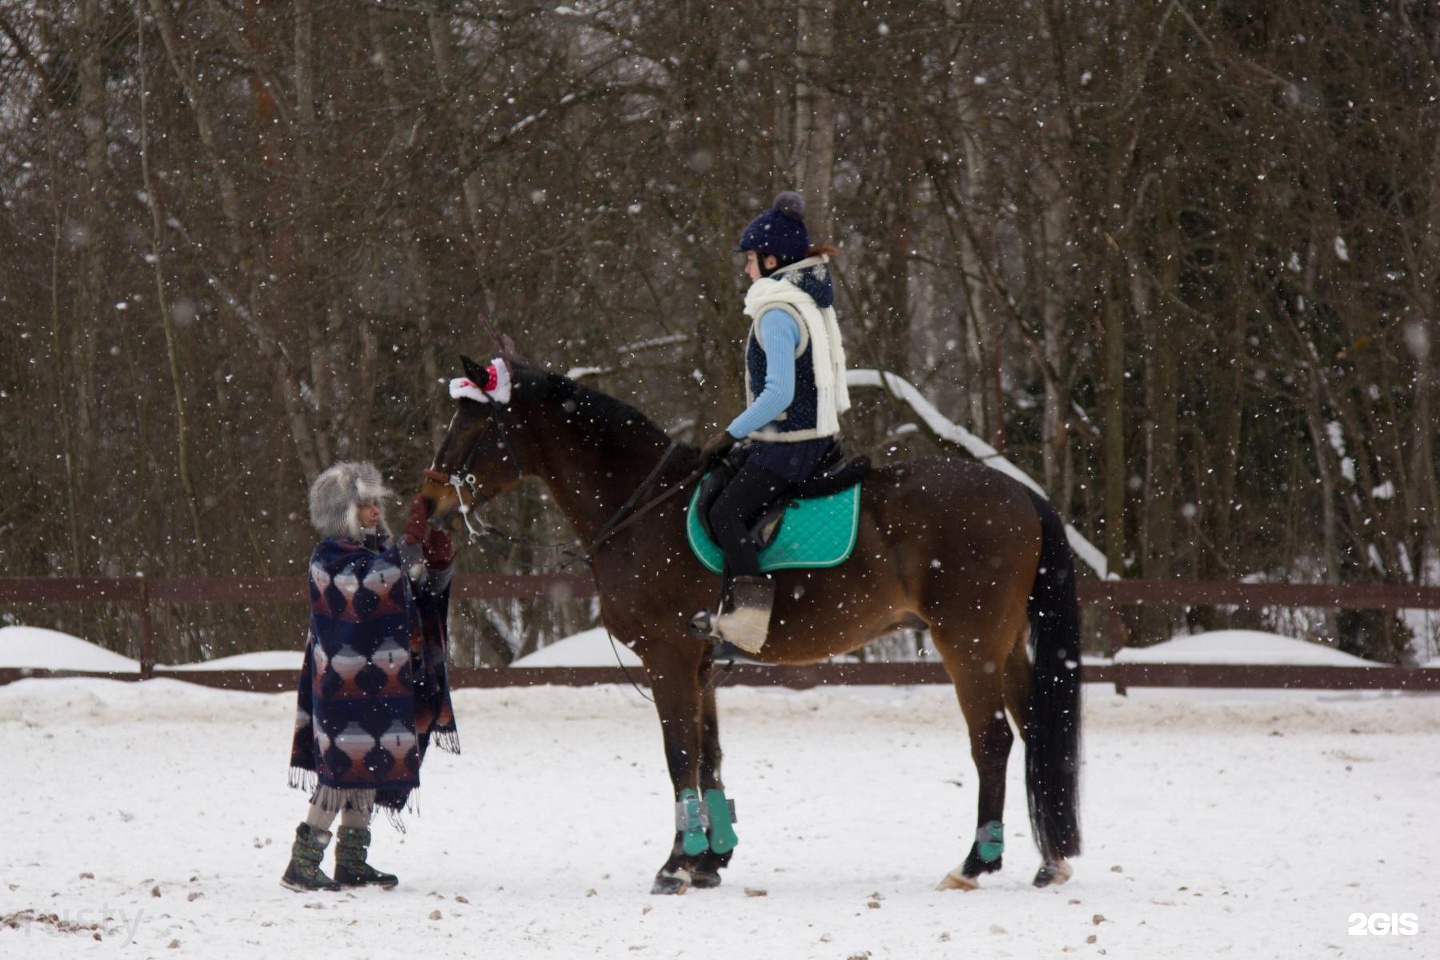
(336, 495)
(780, 231)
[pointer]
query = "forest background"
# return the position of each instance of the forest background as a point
(1177, 259)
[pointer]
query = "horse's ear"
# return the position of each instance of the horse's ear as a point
(508, 351)
(487, 384)
(473, 370)
(503, 344)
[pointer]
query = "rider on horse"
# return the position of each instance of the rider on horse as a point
(795, 387)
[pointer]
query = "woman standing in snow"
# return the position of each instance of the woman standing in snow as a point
(795, 386)
(373, 689)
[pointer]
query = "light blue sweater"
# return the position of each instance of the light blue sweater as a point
(779, 337)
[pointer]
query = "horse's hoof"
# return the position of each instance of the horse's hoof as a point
(671, 884)
(703, 879)
(957, 881)
(1053, 874)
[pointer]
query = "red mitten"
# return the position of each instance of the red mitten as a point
(439, 550)
(417, 520)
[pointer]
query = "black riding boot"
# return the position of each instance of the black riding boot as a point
(304, 873)
(743, 616)
(351, 870)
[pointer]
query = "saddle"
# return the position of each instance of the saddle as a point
(835, 473)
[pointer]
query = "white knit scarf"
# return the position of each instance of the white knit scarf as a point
(823, 331)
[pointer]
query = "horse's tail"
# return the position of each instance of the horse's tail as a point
(1052, 715)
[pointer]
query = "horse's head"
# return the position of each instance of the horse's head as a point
(476, 461)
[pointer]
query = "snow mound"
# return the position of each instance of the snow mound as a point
(592, 648)
(1241, 647)
(259, 660)
(41, 649)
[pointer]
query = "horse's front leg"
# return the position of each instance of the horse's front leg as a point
(675, 683)
(715, 807)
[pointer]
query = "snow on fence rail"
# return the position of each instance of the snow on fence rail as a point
(1107, 594)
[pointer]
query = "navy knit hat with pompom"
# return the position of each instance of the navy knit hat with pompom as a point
(780, 231)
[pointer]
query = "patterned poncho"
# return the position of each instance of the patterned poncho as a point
(373, 688)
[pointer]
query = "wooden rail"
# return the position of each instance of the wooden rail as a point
(1111, 594)
(1203, 593)
(143, 593)
(1122, 675)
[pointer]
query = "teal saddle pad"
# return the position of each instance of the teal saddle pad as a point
(816, 532)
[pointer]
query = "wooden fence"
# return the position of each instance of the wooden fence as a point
(1108, 595)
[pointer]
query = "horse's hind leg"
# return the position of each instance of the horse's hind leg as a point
(979, 685)
(1017, 680)
(1018, 671)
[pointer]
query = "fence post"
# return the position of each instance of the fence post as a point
(147, 633)
(1117, 638)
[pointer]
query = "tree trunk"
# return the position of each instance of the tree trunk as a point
(1113, 404)
(978, 328)
(409, 237)
(63, 405)
(814, 155)
(244, 244)
(1054, 433)
(167, 320)
(92, 280)
(1157, 511)
(470, 187)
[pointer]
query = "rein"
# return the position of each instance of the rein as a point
(463, 480)
(619, 521)
(718, 671)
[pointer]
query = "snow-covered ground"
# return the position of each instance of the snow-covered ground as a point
(592, 648)
(259, 660)
(1241, 647)
(155, 816)
(41, 649)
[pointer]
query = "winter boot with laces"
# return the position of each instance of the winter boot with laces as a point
(351, 870)
(304, 873)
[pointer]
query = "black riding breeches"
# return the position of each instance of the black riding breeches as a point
(749, 492)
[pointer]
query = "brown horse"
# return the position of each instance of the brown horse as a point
(964, 548)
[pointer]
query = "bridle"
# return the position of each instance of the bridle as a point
(463, 480)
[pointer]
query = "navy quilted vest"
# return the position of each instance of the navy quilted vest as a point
(803, 413)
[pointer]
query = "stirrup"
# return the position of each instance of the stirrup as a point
(702, 626)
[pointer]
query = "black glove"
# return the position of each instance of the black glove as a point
(716, 445)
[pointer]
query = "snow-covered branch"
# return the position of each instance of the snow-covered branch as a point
(946, 429)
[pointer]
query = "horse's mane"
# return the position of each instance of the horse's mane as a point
(610, 415)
